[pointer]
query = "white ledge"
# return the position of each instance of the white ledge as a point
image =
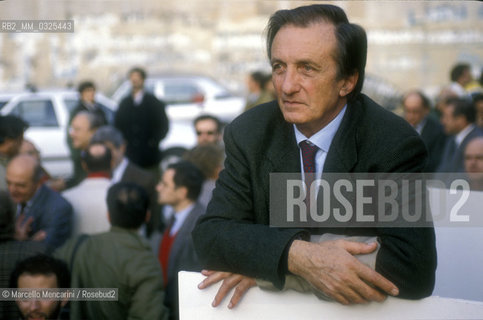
(260, 304)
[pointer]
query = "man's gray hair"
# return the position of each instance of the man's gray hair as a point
(95, 121)
(108, 134)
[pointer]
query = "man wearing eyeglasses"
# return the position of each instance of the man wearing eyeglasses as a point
(208, 130)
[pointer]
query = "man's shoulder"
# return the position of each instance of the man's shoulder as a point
(374, 120)
(52, 196)
(136, 174)
(476, 132)
(258, 120)
(152, 99)
(87, 185)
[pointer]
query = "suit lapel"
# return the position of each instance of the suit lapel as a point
(283, 154)
(181, 237)
(342, 155)
(37, 207)
(127, 172)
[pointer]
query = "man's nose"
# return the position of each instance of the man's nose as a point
(291, 81)
(34, 305)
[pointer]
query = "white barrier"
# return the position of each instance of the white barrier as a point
(259, 304)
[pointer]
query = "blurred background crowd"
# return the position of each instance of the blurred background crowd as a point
(131, 108)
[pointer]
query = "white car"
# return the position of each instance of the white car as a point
(5, 97)
(186, 97)
(47, 113)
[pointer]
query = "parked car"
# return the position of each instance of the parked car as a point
(47, 114)
(186, 97)
(5, 97)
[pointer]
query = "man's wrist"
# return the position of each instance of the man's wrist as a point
(293, 255)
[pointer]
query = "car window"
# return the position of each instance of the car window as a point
(2, 103)
(38, 113)
(176, 93)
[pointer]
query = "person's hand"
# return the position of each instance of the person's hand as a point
(22, 227)
(39, 236)
(230, 280)
(331, 267)
(57, 184)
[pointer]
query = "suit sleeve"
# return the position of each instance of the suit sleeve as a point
(232, 235)
(158, 120)
(407, 256)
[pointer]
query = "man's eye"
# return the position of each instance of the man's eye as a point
(307, 67)
(276, 67)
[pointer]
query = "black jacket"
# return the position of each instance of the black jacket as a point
(143, 127)
(235, 235)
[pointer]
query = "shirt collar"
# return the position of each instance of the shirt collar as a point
(28, 204)
(179, 218)
(138, 97)
(323, 138)
(118, 171)
(419, 127)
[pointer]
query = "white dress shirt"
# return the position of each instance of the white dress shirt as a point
(179, 218)
(322, 139)
(118, 171)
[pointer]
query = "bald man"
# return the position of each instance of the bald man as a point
(474, 163)
(42, 214)
(416, 112)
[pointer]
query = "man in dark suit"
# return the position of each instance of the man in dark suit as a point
(416, 111)
(142, 120)
(42, 214)
(180, 188)
(318, 61)
(458, 119)
(11, 252)
(124, 170)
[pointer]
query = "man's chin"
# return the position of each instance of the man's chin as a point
(293, 118)
(36, 316)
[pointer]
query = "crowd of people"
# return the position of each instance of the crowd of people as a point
(116, 211)
(121, 222)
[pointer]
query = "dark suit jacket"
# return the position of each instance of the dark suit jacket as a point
(145, 179)
(454, 162)
(53, 214)
(182, 257)
(235, 236)
(434, 139)
(143, 127)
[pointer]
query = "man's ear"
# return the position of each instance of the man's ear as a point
(183, 192)
(349, 84)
